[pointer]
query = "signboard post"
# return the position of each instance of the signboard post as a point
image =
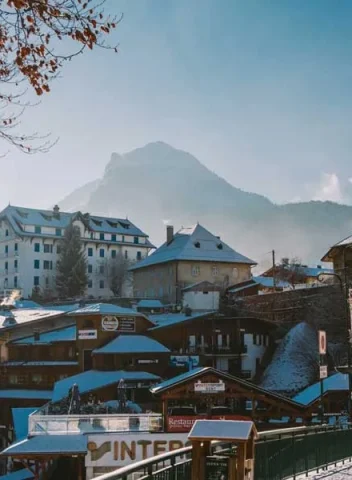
(323, 369)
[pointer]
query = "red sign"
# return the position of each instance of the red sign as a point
(322, 342)
(178, 423)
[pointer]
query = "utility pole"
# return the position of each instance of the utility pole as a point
(274, 266)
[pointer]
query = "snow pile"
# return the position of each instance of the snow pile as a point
(295, 362)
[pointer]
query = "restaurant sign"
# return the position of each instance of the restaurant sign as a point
(200, 387)
(111, 323)
(184, 423)
(114, 450)
(87, 334)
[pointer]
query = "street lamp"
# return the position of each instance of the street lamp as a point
(348, 325)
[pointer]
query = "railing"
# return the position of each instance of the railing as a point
(279, 454)
(69, 424)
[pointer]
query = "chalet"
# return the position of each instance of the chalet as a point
(340, 255)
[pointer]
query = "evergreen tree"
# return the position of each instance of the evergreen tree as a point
(71, 276)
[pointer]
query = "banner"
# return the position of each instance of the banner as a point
(110, 323)
(117, 450)
(87, 334)
(184, 361)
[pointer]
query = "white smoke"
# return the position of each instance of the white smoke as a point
(8, 301)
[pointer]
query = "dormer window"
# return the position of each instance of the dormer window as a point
(112, 224)
(219, 246)
(197, 244)
(99, 223)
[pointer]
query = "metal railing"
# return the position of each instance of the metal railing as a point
(279, 454)
(69, 424)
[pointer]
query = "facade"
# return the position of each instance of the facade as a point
(30, 246)
(340, 255)
(192, 255)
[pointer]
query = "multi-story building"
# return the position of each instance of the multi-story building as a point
(191, 256)
(30, 248)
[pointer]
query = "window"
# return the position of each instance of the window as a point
(90, 268)
(48, 248)
(37, 378)
(113, 253)
(58, 232)
(101, 236)
(139, 255)
(123, 238)
(90, 284)
(58, 249)
(36, 281)
(36, 264)
(101, 269)
(135, 240)
(48, 265)
(101, 284)
(15, 264)
(6, 266)
(37, 247)
(215, 271)
(195, 270)
(126, 254)
(13, 379)
(113, 238)
(15, 282)
(254, 339)
(90, 252)
(37, 229)
(46, 281)
(6, 282)
(6, 233)
(101, 253)
(6, 249)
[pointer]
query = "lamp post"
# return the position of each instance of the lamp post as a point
(345, 293)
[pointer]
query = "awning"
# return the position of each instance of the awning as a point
(44, 445)
(23, 474)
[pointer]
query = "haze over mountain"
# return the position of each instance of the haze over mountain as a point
(158, 184)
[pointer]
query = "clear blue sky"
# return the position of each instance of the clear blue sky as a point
(259, 91)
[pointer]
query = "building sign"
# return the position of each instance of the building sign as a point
(122, 324)
(323, 371)
(184, 361)
(200, 387)
(114, 450)
(87, 334)
(184, 423)
(322, 342)
(145, 362)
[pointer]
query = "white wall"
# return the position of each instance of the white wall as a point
(201, 300)
(254, 351)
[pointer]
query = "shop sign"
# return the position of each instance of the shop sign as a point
(322, 342)
(87, 334)
(184, 361)
(122, 324)
(200, 387)
(114, 450)
(145, 362)
(323, 371)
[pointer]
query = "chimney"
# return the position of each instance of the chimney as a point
(169, 234)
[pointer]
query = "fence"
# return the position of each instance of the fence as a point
(279, 454)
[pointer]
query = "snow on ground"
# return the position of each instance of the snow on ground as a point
(340, 472)
(294, 364)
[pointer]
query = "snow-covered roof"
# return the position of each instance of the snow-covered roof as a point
(25, 315)
(268, 282)
(66, 334)
(336, 382)
(293, 364)
(23, 474)
(20, 421)
(26, 394)
(105, 309)
(167, 319)
(26, 304)
(94, 379)
(194, 244)
(39, 363)
(64, 308)
(149, 304)
(132, 344)
(18, 217)
(39, 444)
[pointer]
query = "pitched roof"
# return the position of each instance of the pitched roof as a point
(194, 244)
(132, 344)
(336, 382)
(221, 430)
(164, 320)
(66, 334)
(198, 372)
(268, 282)
(39, 444)
(26, 315)
(26, 304)
(26, 394)
(23, 474)
(105, 309)
(94, 379)
(19, 216)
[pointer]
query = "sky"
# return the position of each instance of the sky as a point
(260, 92)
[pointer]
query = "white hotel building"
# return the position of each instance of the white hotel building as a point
(30, 244)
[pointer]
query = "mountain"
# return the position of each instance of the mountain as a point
(157, 184)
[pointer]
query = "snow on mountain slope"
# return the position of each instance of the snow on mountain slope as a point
(295, 362)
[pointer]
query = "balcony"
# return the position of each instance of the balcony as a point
(230, 350)
(40, 424)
